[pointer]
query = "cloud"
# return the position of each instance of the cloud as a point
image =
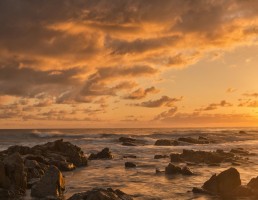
(141, 93)
(214, 106)
(171, 112)
(164, 101)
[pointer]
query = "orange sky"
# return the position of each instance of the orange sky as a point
(128, 63)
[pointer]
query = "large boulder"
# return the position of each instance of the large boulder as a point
(104, 154)
(51, 185)
(225, 183)
(101, 194)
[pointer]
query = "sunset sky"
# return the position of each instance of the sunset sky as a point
(128, 63)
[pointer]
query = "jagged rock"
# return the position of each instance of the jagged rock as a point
(104, 154)
(101, 194)
(13, 176)
(52, 184)
(160, 156)
(172, 169)
(186, 171)
(224, 183)
(166, 142)
(130, 165)
(22, 150)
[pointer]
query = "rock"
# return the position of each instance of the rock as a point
(172, 169)
(175, 157)
(200, 191)
(130, 165)
(186, 171)
(32, 182)
(242, 132)
(13, 176)
(242, 191)
(160, 156)
(129, 156)
(224, 183)
(104, 154)
(101, 194)
(240, 151)
(128, 144)
(253, 184)
(126, 139)
(70, 153)
(166, 142)
(52, 184)
(22, 150)
(158, 171)
(193, 140)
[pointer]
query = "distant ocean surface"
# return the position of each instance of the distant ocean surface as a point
(141, 182)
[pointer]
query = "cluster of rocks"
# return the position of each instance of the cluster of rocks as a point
(227, 184)
(129, 141)
(101, 194)
(183, 141)
(207, 157)
(37, 167)
(103, 154)
(173, 169)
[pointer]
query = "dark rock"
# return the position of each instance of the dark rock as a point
(200, 191)
(175, 157)
(158, 171)
(52, 184)
(202, 138)
(242, 191)
(32, 182)
(130, 165)
(193, 140)
(186, 171)
(126, 139)
(172, 169)
(129, 156)
(253, 184)
(242, 132)
(160, 156)
(22, 150)
(240, 151)
(13, 176)
(166, 142)
(224, 183)
(128, 144)
(104, 154)
(101, 194)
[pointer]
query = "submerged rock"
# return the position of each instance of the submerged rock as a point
(51, 185)
(173, 169)
(160, 156)
(104, 154)
(130, 165)
(101, 194)
(166, 142)
(191, 140)
(128, 141)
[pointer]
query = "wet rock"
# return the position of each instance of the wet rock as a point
(101, 194)
(104, 154)
(57, 149)
(129, 156)
(240, 151)
(128, 144)
(193, 140)
(224, 183)
(253, 184)
(172, 169)
(13, 176)
(126, 139)
(160, 156)
(22, 150)
(52, 184)
(130, 165)
(242, 191)
(175, 157)
(186, 171)
(200, 191)
(166, 142)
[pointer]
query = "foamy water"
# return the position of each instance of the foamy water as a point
(141, 182)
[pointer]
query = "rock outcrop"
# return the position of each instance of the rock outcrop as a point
(101, 194)
(51, 185)
(104, 154)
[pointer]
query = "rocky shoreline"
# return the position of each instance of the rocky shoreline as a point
(40, 168)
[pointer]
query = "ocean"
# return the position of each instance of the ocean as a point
(141, 182)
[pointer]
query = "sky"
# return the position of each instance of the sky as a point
(128, 63)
